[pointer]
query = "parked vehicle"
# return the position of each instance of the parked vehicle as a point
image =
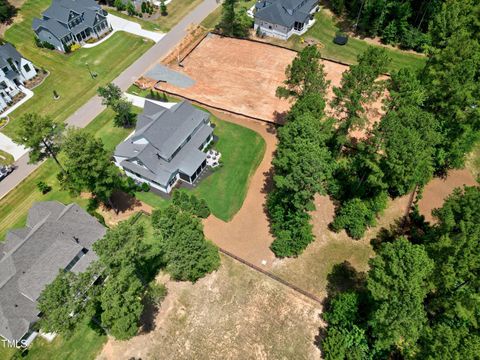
(4, 171)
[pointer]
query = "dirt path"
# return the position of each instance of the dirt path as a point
(247, 235)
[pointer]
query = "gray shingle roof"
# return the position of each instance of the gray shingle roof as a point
(56, 17)
(166, 141)
(32, 256)
(284, 12)
(8, 51)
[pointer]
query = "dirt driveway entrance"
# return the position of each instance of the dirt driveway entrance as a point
(247, 235)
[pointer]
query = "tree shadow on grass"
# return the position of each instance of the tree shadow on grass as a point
(344, 277)
(413, 227)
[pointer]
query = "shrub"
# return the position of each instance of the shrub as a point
(43, 187)
(131, 9)
(191, 203)
(75, 47)
(38, 42)
(119, 5)
(145, 187)
(163, 8)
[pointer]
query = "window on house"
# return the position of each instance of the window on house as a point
(5, 69)
(26, 67)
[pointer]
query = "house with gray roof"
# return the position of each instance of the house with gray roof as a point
(68, 22)
(56, 237)
(15, 70)
(283, 18)
(167, 145)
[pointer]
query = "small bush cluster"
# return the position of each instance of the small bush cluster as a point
(147, 7)
(43, 187)
(43, 44)
(191, 203)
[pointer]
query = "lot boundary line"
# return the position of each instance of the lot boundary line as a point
(339, 62)
(272, 276)
(201, 103)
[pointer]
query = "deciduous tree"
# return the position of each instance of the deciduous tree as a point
(88, 166)
(41, 135)
(121, 302)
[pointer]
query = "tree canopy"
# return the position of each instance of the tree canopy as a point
(88, 166)
(186, 252)
(41, 135)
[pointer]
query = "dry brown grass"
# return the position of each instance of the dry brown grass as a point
(310, 270)
(235, 313)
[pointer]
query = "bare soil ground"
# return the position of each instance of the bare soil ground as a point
(236, 75)
(234, 313)
(438, 189)
(248, 235)
(242, 76)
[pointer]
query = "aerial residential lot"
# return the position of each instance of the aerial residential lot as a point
(69, 74)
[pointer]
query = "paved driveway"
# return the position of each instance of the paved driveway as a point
(94, 107)
(6, 144)
(120, 24)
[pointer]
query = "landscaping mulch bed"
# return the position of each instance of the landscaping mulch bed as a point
(37, 80)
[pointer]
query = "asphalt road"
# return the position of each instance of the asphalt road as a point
(85, 114)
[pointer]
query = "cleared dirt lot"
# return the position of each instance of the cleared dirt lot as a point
(234, 313)
(242, 76)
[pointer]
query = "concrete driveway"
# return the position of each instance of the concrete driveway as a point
(120, 24)
(6, 144)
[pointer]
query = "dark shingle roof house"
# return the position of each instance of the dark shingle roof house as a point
(283, 18)
(166, 145)
(56, 237)
(67, 22)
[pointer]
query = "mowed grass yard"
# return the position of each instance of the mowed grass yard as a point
(85, 343)
(69, 75)
(15, 205)
(242, 150)
(177, 10)
(225, 189)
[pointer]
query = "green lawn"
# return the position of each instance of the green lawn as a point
(5, 158)
(324, 31)
(69, 74)
(177, 10)
(15, 205)
(242, 150)
(85, 343)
